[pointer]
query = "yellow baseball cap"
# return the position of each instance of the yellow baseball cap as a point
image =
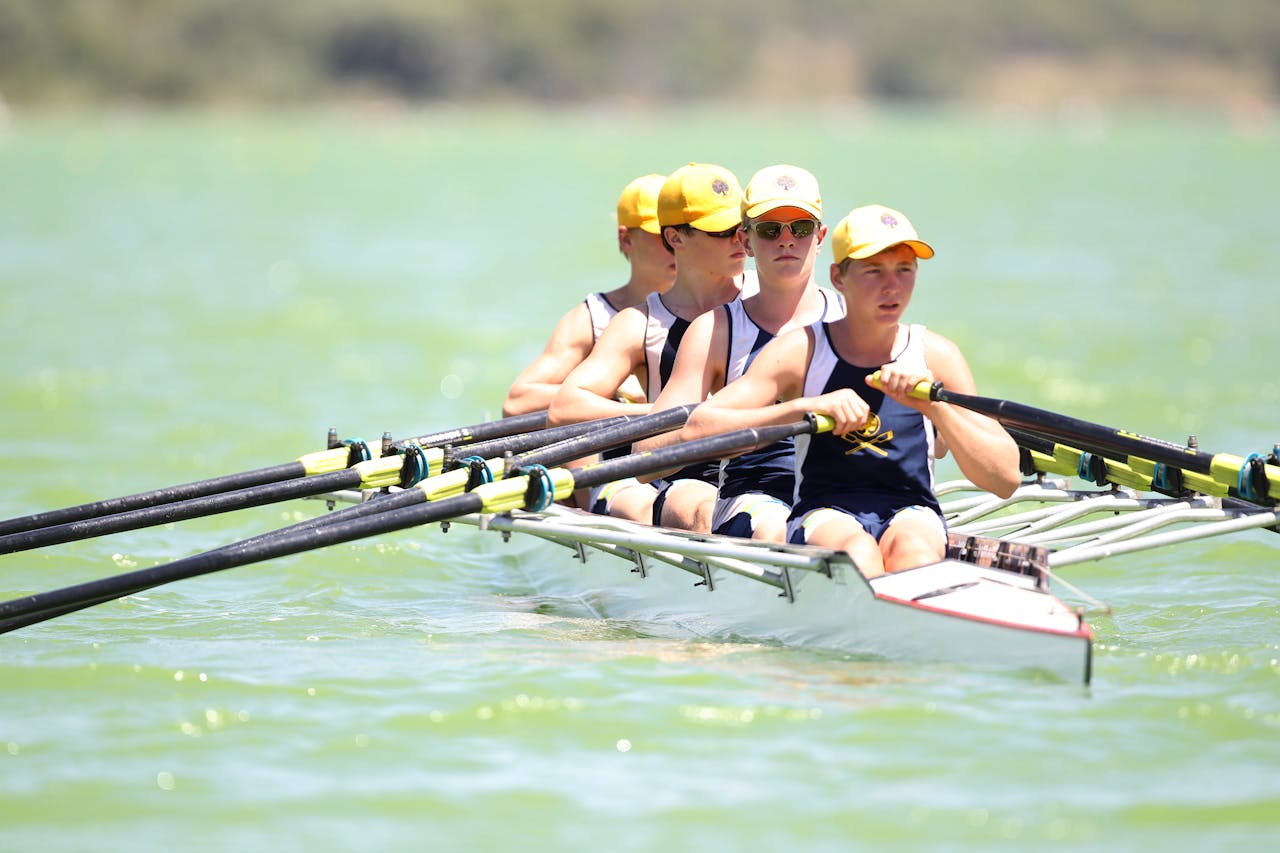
(705, 196)
(781, 186)
(873, 228)
(638, 204)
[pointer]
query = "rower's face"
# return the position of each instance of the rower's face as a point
(715, 255)
(649, 257)
(878, 286)
(779, 253)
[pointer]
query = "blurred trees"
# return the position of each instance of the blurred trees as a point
(272, 51)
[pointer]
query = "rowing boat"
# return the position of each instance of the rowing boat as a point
(990, 602)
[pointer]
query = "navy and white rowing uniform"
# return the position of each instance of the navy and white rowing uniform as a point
(766, 476)
(601, 311)
(873, 473)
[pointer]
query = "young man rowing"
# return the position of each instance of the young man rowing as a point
(652, 271)
(783, 232)
(867, 487)
(699, 213)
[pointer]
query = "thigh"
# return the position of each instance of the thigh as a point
(839, 531)
(751, 516)
(633, 501)
(915, 537)
(689, 505)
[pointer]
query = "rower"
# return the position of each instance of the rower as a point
(699, 214)
(783, 232)
(652, 271)
(867, 487)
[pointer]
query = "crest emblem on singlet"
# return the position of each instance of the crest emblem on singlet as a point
(869, 437)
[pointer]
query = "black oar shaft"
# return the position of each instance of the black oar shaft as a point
(19, 612)
(480, 432)
(170, 494)
(594, 440)
(258, 477)
(1054, 425)
(180, 511)
(28, 610)
(604, 436)
(529, 440)
(680, 455)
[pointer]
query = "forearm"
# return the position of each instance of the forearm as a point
(709, 419)
(573, 404)
(528, 397)
(983, 450)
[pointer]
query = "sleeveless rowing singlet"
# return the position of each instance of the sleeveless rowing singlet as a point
(601, 313)
(769, 470)
(661, 341)
(890, 459)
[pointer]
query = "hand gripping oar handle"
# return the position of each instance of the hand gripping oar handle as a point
(528, 491)
(1251, 479)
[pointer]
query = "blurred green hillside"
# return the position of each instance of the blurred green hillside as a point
(68, 52)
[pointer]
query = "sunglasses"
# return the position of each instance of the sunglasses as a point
(719, 235)
(800, 228)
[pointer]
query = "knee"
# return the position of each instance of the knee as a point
(770, 527)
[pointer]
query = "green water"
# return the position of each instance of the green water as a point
(187, 296)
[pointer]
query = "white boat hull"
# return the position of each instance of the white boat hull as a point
(953, 611)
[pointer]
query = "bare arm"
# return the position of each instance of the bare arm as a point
(777, 374)
(986, 454)
(697, 372)
(570, 342)
(587, 393)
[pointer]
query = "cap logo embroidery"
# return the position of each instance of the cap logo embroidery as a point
(888, 220)
(720, 187)
(786, 182)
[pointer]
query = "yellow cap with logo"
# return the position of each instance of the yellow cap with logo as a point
(638, 204)
(871, 229)
(781, 186)
(703, 195)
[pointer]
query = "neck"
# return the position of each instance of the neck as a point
(778, 306)
(867, 345)
(694, 294)
(635, 290)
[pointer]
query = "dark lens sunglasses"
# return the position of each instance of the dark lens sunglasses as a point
(719, 235)
(800, 228)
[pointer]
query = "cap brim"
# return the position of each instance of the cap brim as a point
(651, 226)
(922, 249)
(761, 208)
(721, 220)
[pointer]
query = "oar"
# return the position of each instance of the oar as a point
(533, 489)
(308, 465)
(404, 469)
(604, 435)
(1249, 478)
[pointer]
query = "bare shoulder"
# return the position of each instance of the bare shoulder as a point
(947, 362)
